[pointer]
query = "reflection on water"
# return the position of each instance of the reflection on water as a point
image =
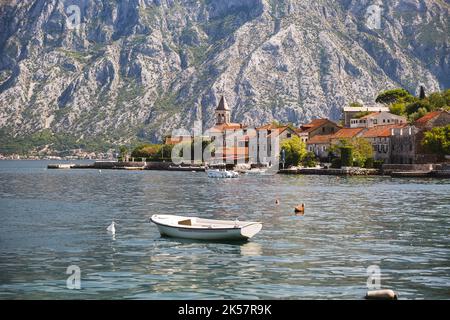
(53, 219)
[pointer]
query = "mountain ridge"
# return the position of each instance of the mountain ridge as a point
(142, 68)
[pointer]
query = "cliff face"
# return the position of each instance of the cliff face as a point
(144, 67)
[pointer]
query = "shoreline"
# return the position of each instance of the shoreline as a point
(428, 171)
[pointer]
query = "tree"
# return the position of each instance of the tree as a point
(398, 108)
(147, 151)
(422, 94)
(346, 156)
(438, 140)
(362, 150)
(415, 106)
(356, 105)
(123, 152)
(309, 160)
(417, 115)
(361, 114)
(295, 150)
(395, 95)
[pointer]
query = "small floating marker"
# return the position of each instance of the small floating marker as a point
(112, 228)
(300, 210)
(277, 202)
(99, 171)
(381, 295)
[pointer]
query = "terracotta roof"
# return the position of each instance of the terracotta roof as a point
(325, 139)
(223, 105)
(314, 124)
(227, 126)
(369, 115)
(381, 131)
(270, 126)
(347, 133)
(278, 131)
(426, 118)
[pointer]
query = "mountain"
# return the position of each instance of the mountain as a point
(136, 69)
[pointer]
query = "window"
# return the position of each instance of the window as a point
(289, 135)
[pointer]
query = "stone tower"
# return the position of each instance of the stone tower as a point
(223, 113)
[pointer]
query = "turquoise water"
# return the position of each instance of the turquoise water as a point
(51, 219)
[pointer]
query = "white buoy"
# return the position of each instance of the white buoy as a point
(99, 171)
(112, 228)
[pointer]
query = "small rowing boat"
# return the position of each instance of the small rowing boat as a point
(205, 229)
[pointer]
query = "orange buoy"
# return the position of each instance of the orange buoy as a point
(300, 209)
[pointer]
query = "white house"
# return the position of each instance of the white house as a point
(377, 119)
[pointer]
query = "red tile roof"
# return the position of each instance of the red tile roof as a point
(347, 133)
(314, 124)
(271, 126)
(325, 139)
(426, 118)
(381, 131)
(227, 126)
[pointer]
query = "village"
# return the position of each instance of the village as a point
(379, 138)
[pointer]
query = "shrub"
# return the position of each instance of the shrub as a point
(369, 163)
(336, 163)
(377, 164)
(346, 156)
(310, 160)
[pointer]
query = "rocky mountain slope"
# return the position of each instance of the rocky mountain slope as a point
(140, 68)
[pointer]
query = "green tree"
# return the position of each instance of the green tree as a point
(416, 115)
(310, 160)
(346, 156)
(395, 95)
(361, 114)
(123, 152)
(295, 150)
(398, 108)
(415, 106)
(438, 140)
(147, 151)
(356, 105)
(362, 150)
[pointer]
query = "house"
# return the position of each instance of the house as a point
(317, 127)
(404, 145)
(406, 142)
(377, 119)
(320, 145)
(380, 138)
(350, 112)
(266, 135)
(346, 134)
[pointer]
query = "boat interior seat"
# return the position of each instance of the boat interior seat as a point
(187, 222)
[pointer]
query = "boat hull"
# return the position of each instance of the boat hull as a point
(211, 234)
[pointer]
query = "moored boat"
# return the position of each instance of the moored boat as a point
(205, 229)
(217, 173)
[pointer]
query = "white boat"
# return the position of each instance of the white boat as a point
(205, 229)
(256, 171)
(216, 173)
